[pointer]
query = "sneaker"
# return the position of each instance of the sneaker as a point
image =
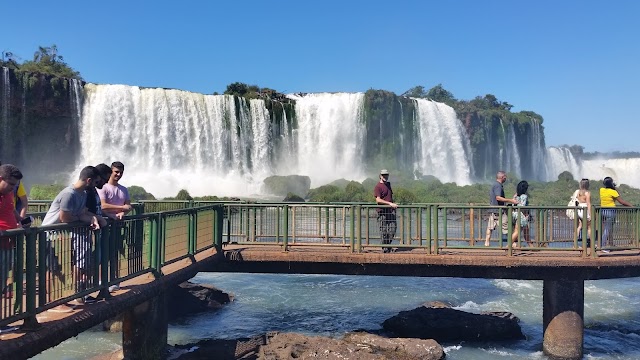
(386, 250)
(89, 299)
(115, 287)
(606, 251)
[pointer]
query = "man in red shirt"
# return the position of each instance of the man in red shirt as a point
(386, 215)
(9, 219)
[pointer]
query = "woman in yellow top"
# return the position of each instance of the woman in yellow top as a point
(608, 197)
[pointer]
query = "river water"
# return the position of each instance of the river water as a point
(331, 305)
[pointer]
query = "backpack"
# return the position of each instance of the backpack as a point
(573, 202)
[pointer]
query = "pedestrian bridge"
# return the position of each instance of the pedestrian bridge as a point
(167, 243)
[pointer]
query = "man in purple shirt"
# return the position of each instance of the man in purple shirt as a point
(386, 215)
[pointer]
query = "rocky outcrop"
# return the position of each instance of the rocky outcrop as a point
(189, 298)
(443, 324)
(281, 346)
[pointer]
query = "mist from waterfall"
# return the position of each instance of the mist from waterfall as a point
(445, 148)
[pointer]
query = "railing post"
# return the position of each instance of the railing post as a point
(191, 231)
(359, 229)
(285, 230)
(42, 268)
(326, 224)
(436, 240)
(444, 224)
(18, 276)
(419, 225)
(509, 230)
(428, 218)
(104, 262)
(472, 227)
(30, 322)
(217, 233)
(352, 227)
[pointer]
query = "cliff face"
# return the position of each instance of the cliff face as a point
(39, 122)
(497, 143)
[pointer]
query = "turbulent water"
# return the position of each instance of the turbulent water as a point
(331, 305)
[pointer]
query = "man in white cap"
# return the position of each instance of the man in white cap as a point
(386, 215)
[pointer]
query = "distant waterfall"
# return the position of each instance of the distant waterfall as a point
(623, 171)
(537, 151)
(5, 101)
(445, 148)
(513, 155)
(330, 136)
(171, 140)
(560, 159)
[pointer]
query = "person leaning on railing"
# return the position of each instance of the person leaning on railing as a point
(608, 197)
(10, 175)
(386, 215)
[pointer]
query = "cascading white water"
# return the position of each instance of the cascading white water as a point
(75, 88)
(330, 136)
(445, 147)
(5, 98)
(560, 159)
(623, 171)
(171, 140)
(537, 151)
(512, 153)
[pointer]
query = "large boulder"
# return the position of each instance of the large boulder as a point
(189, 298)
(282, 185)
(442, 323)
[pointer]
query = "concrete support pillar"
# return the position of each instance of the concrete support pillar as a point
(144, 330)
(562, 316)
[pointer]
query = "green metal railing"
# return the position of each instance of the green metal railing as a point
(52, 265)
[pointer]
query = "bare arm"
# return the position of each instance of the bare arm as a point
(623, 202)
(379, 200)
(25, 203)
(504, 199)
(115, 208)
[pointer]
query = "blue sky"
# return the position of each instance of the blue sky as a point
(573, 62)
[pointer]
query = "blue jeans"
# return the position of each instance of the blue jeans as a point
(608, 219)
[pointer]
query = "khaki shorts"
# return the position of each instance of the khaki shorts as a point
(493, 223)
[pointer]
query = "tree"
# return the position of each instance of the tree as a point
(439, 94)
(47, 61)
(415, 92)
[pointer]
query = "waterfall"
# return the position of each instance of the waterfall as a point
(171, 140)
(623, 171)
(330, 136)
(514, 156)
(503, 158)
(537, 152)
(287, 148)
(75, 96)
(445, 149)
(560, 159)
(5, 101)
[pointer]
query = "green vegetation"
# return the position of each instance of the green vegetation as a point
(282, 185)
(45, 192)
(137, 193)
(431, 190)
(291, 197)
(46, 60)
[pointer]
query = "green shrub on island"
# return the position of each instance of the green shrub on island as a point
(45, 192)
(137, 193)
(282, 185)
(291, 197)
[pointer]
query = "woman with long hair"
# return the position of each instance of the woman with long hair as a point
(521, 216)
(608, 197)
(584, 203)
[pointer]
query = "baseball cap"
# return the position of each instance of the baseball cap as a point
(384, 172)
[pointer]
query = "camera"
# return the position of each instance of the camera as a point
(26, 221)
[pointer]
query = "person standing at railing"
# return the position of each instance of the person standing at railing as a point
(608, 197)
(116, 203)
(386, 215)
(496, 197)
(20, 198)
(521, 216)
(584, 203)
(69, 206)
(93, 202)
(10, 175)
